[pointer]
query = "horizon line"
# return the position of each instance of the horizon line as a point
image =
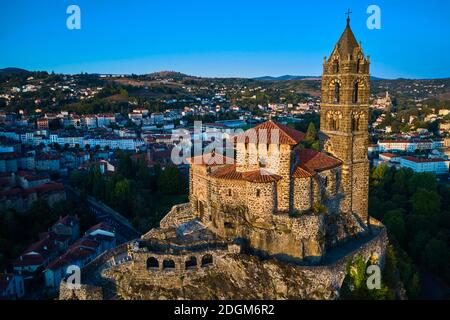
(215, 77)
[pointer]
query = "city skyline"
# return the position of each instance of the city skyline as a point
(217, 40)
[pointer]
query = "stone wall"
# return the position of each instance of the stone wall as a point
(166, 269)
(302, 194)
(241, 276)
(83, 292)
(177, 215)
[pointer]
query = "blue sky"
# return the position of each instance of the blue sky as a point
(222, 38)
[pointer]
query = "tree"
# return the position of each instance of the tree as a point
(123, 197)
(143, 174)
(380, 172)
(400, 200)
(315, 145)
(40, 217)
(125, 167)
(122, 189)
(426, 203)
(311, 133)
(422, 180)
(435, 254)
(401, 180)
(418, 242)
(395, 222)
(78, 179)
(171, 181)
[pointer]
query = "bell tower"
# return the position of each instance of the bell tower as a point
(344, 119)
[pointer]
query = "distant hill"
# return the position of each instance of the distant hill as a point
(286, 78)
(291, 77)
(13, 71)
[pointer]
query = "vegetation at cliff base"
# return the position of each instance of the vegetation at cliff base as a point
(415, 207)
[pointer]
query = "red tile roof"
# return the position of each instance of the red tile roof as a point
(40, 190)
(29, 260)
(211, 160)
(281, 134)
(73, 254)
(9, 155)
(58, 263)
(300, 172)
(101, 226)
(80, 252)
(67, 220)
(395, 141)
(312, 162)
(45, 246)
(258, 176)
(48, 187)
(422, 160)
(388, 155)
(87, 242)
(37, 178)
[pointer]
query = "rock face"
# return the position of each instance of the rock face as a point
(84, 292)
(221, 272)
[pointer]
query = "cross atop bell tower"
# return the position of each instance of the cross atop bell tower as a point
(348, 13)
(344, 118)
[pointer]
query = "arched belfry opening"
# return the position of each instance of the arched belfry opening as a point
(356, 92)
(336, 66)
(337, 93)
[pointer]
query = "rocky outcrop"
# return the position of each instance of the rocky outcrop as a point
(233, 275)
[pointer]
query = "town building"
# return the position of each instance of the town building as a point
(433, 165)
(11, 286)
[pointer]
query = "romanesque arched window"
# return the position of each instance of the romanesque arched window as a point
(207, 260)
(152, 263)
(334, 124)
(168, 264)
(336, 66)
(355, 123)
(197, 205)
(190, 263)
(201, 208)
(358, 121)
(355, 92)
(337, 92)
